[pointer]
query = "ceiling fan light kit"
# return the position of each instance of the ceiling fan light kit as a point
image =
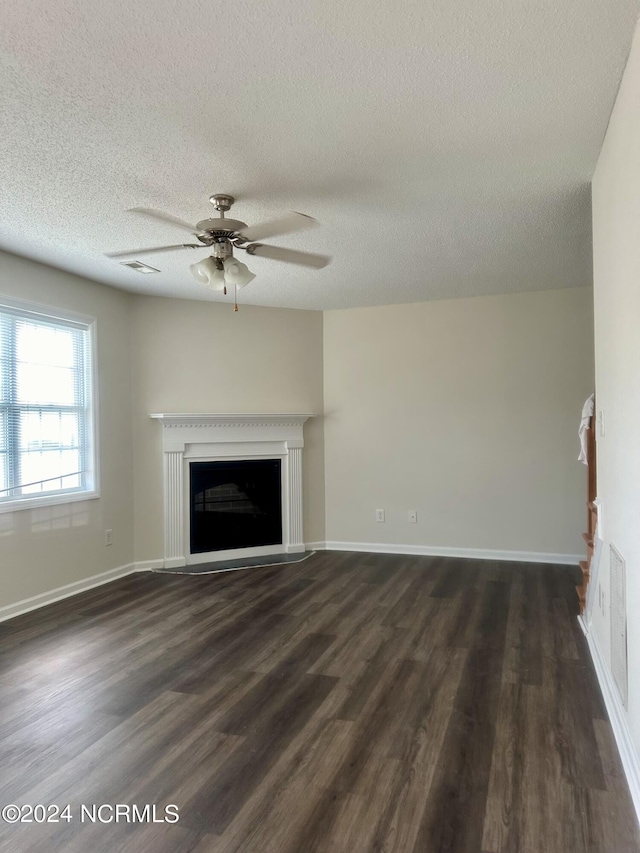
(208, 272)
(237, 273)
(216, 274)
(221, 235)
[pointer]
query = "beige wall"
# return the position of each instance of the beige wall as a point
(466, 410)
(616, 239)
(42, 549)
(201, 357)
(485, 393)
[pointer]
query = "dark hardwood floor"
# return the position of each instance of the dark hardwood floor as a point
(352, 702)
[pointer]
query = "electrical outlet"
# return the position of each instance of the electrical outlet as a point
(413, 516)
(108, 537)
(379, 515)
(601, 423)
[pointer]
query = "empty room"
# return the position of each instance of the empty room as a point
(319, 407)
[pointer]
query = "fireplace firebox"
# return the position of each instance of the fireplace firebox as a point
(235, 504)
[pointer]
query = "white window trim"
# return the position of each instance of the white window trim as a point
(52, 312)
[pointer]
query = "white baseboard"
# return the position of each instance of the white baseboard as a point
(438, 551)
(149, 565)
(617, 717)
(66, 591)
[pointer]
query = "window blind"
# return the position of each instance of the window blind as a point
(45, 405)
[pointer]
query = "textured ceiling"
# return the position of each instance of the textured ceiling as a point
(446, 145)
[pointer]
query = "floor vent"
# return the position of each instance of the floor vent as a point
(618, 599)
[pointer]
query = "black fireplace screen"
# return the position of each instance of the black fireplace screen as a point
(235, 505)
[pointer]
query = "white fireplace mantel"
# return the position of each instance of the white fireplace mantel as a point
(190, 436)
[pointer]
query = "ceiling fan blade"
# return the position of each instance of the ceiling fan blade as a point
(150, 213)
(276, 227)
(289, 256)
(134, 252)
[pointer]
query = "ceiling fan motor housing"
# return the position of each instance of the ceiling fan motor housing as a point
(221, 248)
(220, 227)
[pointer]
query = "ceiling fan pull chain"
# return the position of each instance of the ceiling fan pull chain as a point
(235, 297)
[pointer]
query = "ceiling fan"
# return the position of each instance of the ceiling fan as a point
(222, 235)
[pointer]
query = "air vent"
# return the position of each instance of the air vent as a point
(618, 599)
(139, 267)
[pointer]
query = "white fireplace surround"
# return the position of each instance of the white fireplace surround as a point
(190, 437)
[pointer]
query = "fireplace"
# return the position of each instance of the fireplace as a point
(235, 504)
(230, 516)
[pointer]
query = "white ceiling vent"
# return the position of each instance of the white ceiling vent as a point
(139, 267)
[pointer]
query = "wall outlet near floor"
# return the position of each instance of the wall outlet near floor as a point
(108, 537)
(412, 516)
(379, 515)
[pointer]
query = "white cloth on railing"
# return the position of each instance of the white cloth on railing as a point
(587, 414)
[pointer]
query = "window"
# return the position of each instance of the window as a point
(46, 407)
